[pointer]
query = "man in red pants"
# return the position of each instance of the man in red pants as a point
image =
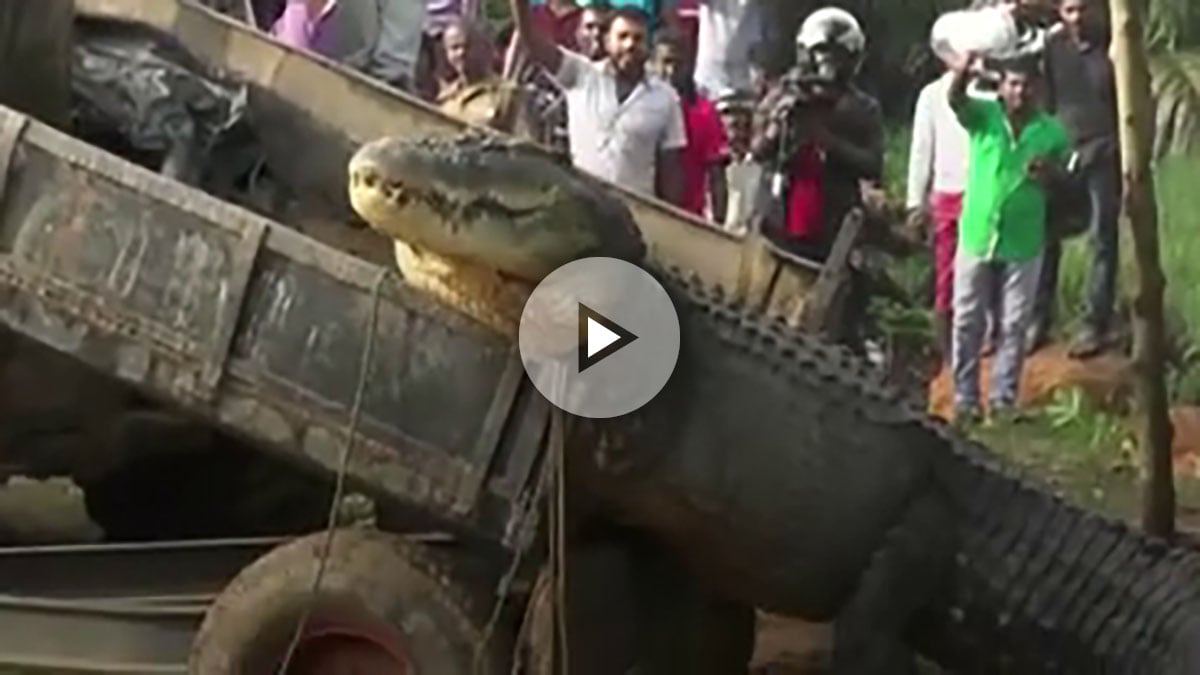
(937, 172)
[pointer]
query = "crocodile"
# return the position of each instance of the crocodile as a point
(792, 479)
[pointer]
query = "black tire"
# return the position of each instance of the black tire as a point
(391, 599)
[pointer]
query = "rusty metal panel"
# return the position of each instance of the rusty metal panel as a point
(12, 125)
(253, 325)
(431, 383)
(159, 269)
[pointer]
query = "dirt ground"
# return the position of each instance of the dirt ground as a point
(790, 647)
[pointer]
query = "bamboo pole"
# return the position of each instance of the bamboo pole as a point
(1139, 209)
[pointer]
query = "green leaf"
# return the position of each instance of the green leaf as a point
(1175, 85)
(1173, 24)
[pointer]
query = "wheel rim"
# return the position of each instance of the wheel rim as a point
(341, 646)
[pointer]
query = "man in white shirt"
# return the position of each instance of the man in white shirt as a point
(937, 173)
(743, 173)
(727, 32)
(625, 125)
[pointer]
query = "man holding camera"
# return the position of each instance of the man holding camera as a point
(820, 136)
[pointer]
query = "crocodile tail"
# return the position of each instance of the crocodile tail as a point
(1041, 585)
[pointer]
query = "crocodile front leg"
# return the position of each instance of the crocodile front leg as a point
(903, 576)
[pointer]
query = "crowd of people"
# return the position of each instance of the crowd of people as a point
(663, 97)
(997, 181)
(671, 98)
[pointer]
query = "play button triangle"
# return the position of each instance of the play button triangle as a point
(599, 337)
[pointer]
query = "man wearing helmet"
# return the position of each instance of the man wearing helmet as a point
(819, 135)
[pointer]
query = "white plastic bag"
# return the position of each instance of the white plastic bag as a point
(990, 32)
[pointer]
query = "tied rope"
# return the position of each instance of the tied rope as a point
(553, 472)
(339, 488)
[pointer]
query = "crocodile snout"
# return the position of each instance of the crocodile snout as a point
(375, 184)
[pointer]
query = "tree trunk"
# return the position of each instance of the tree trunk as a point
(1136, 110)
(35, 58)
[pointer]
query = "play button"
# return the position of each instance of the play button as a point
(599, 337)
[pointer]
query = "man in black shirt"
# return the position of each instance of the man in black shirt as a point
(1082, 92)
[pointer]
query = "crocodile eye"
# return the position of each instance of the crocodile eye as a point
(368, 178)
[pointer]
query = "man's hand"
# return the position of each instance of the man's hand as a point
(960, 64)
(540, 48)
(917, 223)
(1040, 169)
(783, 107)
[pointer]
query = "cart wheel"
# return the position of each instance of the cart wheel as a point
(385, 606)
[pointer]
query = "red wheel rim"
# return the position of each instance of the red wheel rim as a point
(349, 646)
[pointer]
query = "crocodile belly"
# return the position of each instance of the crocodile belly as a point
(479, 292)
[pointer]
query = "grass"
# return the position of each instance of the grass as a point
(1088, 457)
(1179, 246)
(1087, 454)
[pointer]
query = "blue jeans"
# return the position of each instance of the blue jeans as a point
(974, 280)
(1103, 184)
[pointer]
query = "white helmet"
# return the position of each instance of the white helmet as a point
(832, 25)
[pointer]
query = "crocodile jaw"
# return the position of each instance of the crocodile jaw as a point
(501, 205)
(387, 204)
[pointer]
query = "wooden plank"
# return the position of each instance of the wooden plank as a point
(823, 312)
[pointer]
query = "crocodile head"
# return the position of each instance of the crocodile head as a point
(502, 205)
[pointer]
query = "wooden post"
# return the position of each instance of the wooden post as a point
(1140, 210)
(35, 58)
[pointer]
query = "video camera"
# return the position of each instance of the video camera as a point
(816, 73)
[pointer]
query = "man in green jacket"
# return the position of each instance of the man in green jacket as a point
(1016, 153)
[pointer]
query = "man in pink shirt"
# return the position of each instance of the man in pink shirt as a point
(303, 22)
(706, 192)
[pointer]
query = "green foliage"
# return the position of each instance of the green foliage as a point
(1088, 455)
(1179, 232)
(897, 139)
(900, 324)
(1175, 85)
(1073, 271)
(1071, 411)
(1173, 25)
(495, 12)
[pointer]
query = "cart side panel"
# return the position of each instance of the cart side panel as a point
(431, 381)
(170, 273)
(251, 324)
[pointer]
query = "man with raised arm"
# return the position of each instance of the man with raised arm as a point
(1016, 154)
(625, 124)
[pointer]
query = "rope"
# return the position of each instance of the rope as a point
(343, 468)
(559, 534)
(552, 471)
(510, 575)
